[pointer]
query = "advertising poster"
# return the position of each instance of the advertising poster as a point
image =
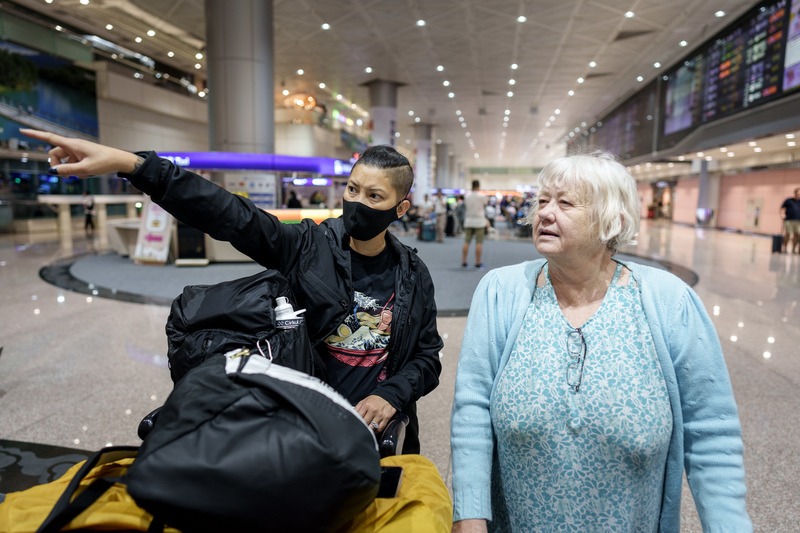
(259, 187)
(155, 230)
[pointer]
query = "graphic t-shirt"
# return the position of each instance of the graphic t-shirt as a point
(358, 348)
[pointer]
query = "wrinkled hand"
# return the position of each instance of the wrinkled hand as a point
(76, 157)
(470, 526)
(375, 409)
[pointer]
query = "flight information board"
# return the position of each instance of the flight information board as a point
(753, 61)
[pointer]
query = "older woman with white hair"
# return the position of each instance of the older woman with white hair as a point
(586, 386)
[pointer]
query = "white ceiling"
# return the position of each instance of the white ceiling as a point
(475, 41)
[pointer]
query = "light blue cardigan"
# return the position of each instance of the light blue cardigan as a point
(706, 438)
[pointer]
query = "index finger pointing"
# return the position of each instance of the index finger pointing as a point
(46, 136)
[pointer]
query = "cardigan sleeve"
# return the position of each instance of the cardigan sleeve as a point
(713, 449)
(471, 437)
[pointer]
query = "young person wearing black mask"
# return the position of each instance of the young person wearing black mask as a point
(369, 301)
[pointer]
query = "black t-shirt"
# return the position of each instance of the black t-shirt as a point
(792, 207)
(358, 348)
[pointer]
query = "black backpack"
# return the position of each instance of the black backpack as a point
(207, 320)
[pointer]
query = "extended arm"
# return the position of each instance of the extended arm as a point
(76, 157)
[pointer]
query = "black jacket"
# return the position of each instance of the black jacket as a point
(315, 259)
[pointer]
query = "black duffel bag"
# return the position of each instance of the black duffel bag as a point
(243, 444)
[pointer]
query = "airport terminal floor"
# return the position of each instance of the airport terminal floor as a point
(83, 361)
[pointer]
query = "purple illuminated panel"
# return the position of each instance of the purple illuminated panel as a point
(236, 161)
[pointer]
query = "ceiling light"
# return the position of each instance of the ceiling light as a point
(682, 43)
(170, 54)
(300, 72)
(420, 23)
(522, 18)
(700, 154)
(286, 92)
(476, 156)
(360, 122)
(85, 2)
(757, 149)
(466, 134)
(446, 83)
(681, 158)
(463, 124)
(326, 26)
(353, 106)
(657, 64)
(592, 64)
(49, 1)
(629, 15)
(723, 149)
(791, 143)
(152, 33)
(571, 93)
(546, 124)
(508, 112)
(639, 78)
(719, 14)
(411, 113)
(557, 111)
(109, 27)
(397, 134)
(461, 119)
(753, 143)
(789, 135)
(321, 85)
(416, 119)
(512, 81)
(59, 28)
(451, 95)
(709, 158)
(201, 94)
(580, 80)
(138, 39)
(541, 134)
(440, 68)
(458, 112)
(505, 119)
(198, 66)
(368, 70)
(514, 66)
(338, 96)
(509, 94)
(731, 154)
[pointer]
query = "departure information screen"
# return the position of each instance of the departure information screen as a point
(755, 60)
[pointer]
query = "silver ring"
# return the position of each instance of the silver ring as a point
(374, 424)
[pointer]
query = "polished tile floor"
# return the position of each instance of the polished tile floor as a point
(79, 370)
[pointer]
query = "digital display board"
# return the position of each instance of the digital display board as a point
(753, 61)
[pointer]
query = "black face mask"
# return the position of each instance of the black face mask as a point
(364, 223)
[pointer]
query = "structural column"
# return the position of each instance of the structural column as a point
(442, 180)
(422, 168)
(707, 195)
(383, 111)
(239, 54)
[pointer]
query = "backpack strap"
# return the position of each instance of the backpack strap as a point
(69, 506)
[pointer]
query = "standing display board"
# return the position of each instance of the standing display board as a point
(259, 187)
(155, 230)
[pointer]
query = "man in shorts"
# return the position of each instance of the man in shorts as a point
(790, 213)
(474, 224)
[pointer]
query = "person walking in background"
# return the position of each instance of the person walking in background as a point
(790, 213)
(474, 224)
(587, 386)
(294, 202)
(459, 213)
(440, 212)
(89, 212)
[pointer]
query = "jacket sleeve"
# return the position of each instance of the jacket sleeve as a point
(224, 216)
(471, 434)
(420, 374)
(713, 449)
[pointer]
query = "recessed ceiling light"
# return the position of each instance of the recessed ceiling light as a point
(326, 26)
(505, 119)
(629, 15)
(700, 154)
(719, 14)
(446, 83)
(557, 111)
(411, 113)
(657, 64)
(546, 124)
(198, 66)
(709, 158)
(509, 94)
(682, 43)
(321, 85)
(731, 154)
(458, 112)
(198, 55)
(420, 23)
(440, 68)
(757, 149)
(170, 54)
(571, 93)
(416, 119)
(368, 70)
(681, 158)
(790, 135)
(514, 66)
(791, 143)
(580, 80)
(592, 64)
(512, 81)
(451, 95)
(639, 78)
(151, 33)
(300, 72)
(552, 118)
(138, 39)
(753, 143)
(723, 149)
(522, 18)
(338, 96)
(286, 92)
(85, 2)
(109, 27)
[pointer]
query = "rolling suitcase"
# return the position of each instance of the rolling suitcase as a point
(777, 243)
(427, 230)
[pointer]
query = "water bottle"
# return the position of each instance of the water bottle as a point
(285, 316)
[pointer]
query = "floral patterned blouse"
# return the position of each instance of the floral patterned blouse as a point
(590, 459)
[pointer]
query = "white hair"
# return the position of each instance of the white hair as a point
(606, 186)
